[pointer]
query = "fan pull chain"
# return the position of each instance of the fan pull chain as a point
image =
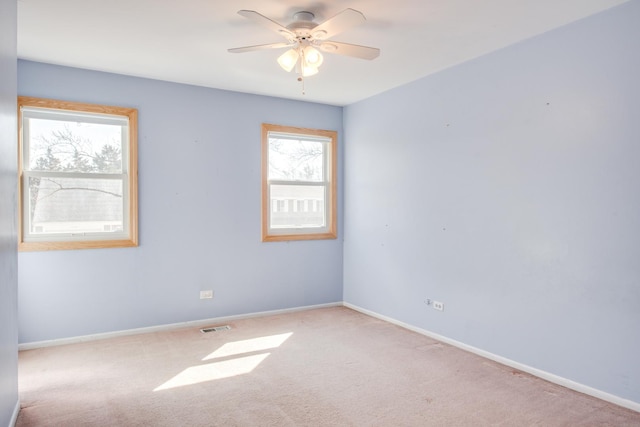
(301, 80)
(301, 75)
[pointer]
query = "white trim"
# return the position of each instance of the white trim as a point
(14, 417)
(629, 404)
(167, 327)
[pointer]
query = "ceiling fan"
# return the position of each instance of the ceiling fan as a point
(305, 38)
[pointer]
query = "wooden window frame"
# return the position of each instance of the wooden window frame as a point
(328, 232)
(131, 240)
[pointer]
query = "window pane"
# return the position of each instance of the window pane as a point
(298, 181)
(75, 205)
(69, 146)
(297, 206)
(296, 160)
(78, 175)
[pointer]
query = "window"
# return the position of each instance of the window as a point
(298, 183)
(78, 175)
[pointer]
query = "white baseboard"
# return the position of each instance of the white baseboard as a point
(629, 404)
(14, 417)
(167, 327)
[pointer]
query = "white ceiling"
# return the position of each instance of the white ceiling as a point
(186, 41)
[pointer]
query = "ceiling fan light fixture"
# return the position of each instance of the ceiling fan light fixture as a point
(305, 39)
(312, 57)
(288, 59)
(308, 71)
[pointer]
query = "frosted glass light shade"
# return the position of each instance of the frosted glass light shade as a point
(308, 71)
(288, 59)
(312, 57)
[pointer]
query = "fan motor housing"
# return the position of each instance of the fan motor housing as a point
(302, 24)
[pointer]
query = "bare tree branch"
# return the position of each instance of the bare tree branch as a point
(63, 188)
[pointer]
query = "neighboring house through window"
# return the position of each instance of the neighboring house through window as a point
(298, 183)
(78, 175)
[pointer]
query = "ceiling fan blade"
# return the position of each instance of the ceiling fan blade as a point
(339, 48)
(342, 21)
(259, 47)
(268, 23)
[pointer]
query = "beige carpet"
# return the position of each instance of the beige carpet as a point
(325, 367)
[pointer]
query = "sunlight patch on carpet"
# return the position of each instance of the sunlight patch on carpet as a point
(214, 371)
(249, 346)
(230, 366)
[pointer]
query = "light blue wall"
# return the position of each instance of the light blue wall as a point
(199, 205)
(8, 238)
(508, 188)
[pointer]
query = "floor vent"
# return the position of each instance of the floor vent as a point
(216, 329)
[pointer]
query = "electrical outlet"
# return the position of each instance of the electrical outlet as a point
(438, 305)
(206, 294)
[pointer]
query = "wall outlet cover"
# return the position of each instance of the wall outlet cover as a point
(206, 294)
